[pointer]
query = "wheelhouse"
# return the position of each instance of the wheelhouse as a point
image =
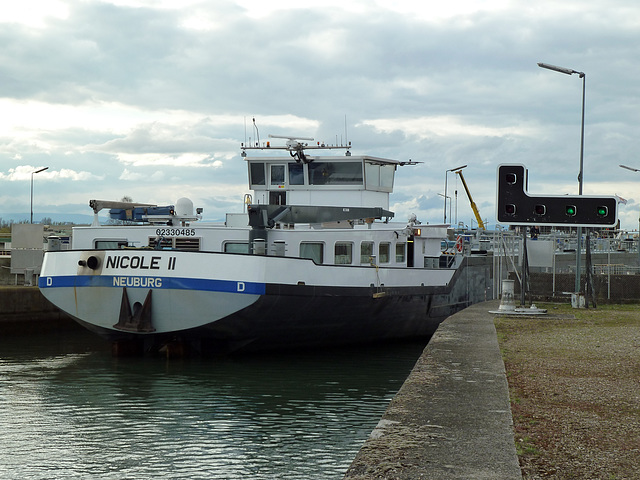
(357, 181)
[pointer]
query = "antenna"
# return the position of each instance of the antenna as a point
(286, 137)
(346, 138)
(294, 145)
(257, 132)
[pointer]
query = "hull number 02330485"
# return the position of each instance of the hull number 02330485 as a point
(174, 232)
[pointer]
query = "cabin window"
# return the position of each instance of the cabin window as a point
(109, 244)
(383, 252)
(277, 174)
(366, 252)
(335, 173)
(296, 174)
(343, 253)
(236, 247)
(400, 255)
(313, 251)
(432, 263)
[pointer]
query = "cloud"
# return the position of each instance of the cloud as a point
(423, 128)
(139, 176)
(153, 98)
(33, 13)
(24, 172)
(158, 160)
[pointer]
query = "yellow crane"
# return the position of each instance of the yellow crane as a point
(473, 204)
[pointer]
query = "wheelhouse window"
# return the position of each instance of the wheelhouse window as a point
(400, 252)
(379, 177)
(296, 174)
(335, 173)
(256, 173)
(343, 253)
(366, 252)
(386, 176)
(277, 174)
(313, 251)
(383, 252)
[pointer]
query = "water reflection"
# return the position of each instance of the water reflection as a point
(68, 409)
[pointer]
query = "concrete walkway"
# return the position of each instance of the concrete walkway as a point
(452, 418)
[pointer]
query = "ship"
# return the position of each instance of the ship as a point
(315, 258)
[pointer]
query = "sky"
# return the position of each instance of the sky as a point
(151, 99)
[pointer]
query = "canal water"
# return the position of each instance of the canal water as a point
(68, 409)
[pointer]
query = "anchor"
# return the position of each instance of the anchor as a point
(138, 320)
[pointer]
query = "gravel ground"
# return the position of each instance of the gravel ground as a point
(574, 383)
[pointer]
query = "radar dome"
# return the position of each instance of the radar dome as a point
(184, 207)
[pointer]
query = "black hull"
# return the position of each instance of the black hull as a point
(303, 316)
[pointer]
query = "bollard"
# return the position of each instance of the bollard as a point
(507, 302)
(577, 300)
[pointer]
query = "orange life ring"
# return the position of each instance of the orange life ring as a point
(459, 245)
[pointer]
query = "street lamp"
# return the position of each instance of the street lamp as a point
(582, 75)
(630, 168)
(635, 170)
(445, 203)
(32, 173)
(446, 177)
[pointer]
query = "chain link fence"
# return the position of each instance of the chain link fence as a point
(609, 270)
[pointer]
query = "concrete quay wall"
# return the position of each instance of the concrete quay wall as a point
(27, 305)
(6, 278)
(452, 417)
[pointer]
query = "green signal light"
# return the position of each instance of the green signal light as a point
(571, 210)
(602, 211)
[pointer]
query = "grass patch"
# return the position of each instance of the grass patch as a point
(524, 446)
(573, 382)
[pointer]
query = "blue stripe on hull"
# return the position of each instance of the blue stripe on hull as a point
(119, 281)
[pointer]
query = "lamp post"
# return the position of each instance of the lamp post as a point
(630, 168)
(446, 177)
(445, 202)
(582, 75)
(32, 173)
(635, 170)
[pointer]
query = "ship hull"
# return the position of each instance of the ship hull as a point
(249, 302)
